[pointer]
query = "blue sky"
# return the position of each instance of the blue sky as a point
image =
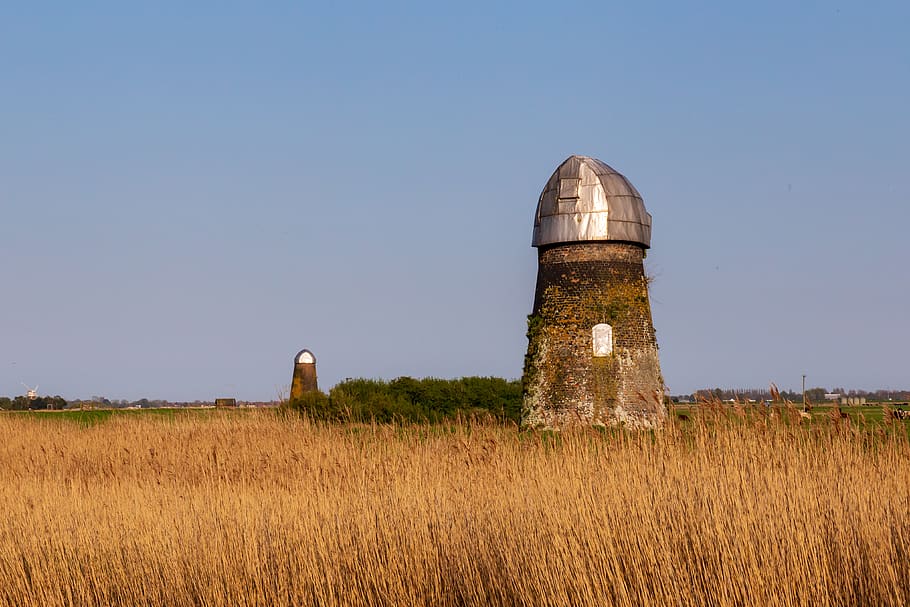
(192, 192)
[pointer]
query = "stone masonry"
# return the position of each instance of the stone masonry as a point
(581, 285)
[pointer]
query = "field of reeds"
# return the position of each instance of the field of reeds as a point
(733, 507)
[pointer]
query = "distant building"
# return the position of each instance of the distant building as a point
(304, 377)
(853, 401)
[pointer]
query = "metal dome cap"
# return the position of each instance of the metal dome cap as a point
(586, 199)
(305, 357)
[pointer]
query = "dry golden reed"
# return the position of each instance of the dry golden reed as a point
(250, 508)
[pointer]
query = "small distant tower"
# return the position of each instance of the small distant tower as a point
(592, 351)
(304, 379)
(31, 393)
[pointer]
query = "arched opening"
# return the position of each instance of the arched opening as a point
(603, 339)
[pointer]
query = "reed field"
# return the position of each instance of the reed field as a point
(731, 507)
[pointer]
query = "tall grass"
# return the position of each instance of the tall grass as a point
(256, 509)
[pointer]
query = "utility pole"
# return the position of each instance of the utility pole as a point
(804, 390)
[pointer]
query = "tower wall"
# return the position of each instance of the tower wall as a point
(580, 285)
(304, 378)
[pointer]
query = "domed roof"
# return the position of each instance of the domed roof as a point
(305, 357)
(585, 199)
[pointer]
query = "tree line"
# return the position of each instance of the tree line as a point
(815, 394)
(24, 403)
(414, 400)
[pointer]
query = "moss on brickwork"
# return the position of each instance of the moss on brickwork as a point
(605, 393)
(531, 372)
(579, 286)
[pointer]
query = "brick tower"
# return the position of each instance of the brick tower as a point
(592, 352)
(304, 378)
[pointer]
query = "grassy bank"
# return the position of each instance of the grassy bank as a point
(90, 417)
(257, 509)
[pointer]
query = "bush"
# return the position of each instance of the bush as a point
(23, 403)
(315, 405)
(406, 399)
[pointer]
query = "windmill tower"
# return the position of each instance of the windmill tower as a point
(31, 393)
(592, 351)
(304, 378)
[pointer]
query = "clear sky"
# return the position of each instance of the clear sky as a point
(191, 192)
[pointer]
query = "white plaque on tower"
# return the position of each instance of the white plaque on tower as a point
(603, 340)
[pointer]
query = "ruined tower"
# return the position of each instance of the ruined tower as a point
(592, 352)
(304, 378)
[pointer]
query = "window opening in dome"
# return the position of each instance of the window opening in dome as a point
(568, 188)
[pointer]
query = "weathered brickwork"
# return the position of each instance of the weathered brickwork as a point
(303, 380)
(580, 285)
